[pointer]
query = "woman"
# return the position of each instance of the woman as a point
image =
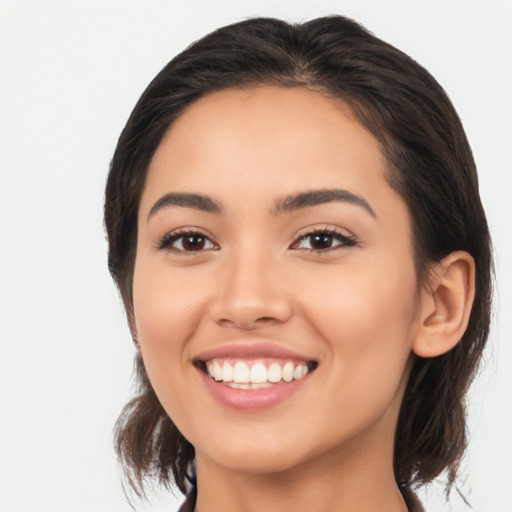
(295, 229)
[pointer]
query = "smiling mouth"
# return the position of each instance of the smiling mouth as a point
(255, 373)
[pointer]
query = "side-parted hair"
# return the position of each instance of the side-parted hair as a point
(429, 163)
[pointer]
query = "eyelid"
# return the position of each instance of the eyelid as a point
(347, 239)
(165, 242)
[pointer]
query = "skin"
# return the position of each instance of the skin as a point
(355, 308)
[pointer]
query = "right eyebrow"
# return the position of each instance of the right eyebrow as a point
(188, 200)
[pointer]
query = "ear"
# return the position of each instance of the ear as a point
(446, 303)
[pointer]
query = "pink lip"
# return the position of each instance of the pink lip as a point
(251, 351)
(251, 399)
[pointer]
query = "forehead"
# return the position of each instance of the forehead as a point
(264, 141)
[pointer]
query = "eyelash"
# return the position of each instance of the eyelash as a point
(168, 240)
(346, 241)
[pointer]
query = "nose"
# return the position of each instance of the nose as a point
(250, 294)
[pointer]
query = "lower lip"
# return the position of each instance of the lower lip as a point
(251, 399)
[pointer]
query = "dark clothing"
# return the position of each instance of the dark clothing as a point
(412, 502)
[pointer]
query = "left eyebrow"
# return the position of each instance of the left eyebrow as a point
(317, 197)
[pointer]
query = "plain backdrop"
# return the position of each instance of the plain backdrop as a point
(71, 71)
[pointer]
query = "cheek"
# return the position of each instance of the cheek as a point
(165, 307)
(368, 317)
(167, 312)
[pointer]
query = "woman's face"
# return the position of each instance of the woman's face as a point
(271, 245)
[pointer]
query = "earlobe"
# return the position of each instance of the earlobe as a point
(445, 305)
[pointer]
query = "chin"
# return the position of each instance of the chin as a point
(273, 454)
(257, 461)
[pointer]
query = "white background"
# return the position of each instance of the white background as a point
(71, 71)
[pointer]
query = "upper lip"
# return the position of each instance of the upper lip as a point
(251, 350)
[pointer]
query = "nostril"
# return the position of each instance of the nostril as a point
(266, 319)
(248, 324)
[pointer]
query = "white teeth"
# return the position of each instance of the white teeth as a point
(300, 371)
(288, 372)
(258, 373)
(240, 375)
(228, 373)
(217, 371)
(275, 373)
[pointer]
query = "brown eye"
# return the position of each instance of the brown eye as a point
(321, 241)
(193, 242)
(326, 240)
(186, 242)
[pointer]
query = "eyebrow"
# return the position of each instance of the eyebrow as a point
(187, 200)
(284, 205)
(317, 197)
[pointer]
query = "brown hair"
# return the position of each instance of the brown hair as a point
(429, 163)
